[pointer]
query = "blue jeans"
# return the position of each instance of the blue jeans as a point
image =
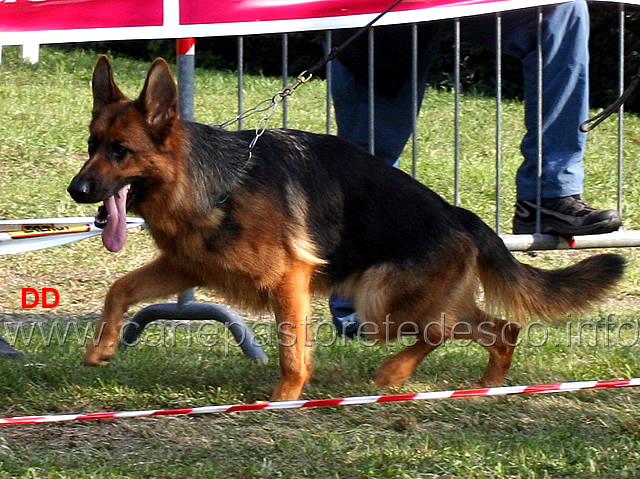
(565, 39)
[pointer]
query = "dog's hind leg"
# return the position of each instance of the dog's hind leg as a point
(400, 366)
(497, 336)
(155, 280)
(292, 307)
(500, 353)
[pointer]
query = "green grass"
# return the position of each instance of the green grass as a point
(45, 111)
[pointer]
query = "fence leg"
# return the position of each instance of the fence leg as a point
(195, 311)
(187, 308)
(6, 351)
(31, 52)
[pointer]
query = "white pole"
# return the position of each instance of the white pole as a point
(31, 52)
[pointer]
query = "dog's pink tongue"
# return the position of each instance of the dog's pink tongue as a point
(114, 234)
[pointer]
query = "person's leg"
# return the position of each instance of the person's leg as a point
(565, 37)
(565, 47)
(392, 111)
(565, 90)
(565, 105)
(392, 117)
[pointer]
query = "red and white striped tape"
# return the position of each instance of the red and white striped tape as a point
(349, 401)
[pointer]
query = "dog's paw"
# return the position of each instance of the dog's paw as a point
(391, 373)
(287, 392)
(99, 355)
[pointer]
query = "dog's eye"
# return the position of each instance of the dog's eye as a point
(119, 152)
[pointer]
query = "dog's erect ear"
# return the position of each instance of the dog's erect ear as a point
(105, 90)
(158, 100)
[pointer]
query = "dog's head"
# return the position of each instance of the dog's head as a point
(127, 138)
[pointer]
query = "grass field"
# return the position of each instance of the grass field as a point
(45, 111)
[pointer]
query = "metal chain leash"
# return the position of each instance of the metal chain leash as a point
(269, 105)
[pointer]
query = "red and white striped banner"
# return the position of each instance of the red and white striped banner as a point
(62, 21)
(348, 401)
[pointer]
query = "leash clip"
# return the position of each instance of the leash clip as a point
(300, 80)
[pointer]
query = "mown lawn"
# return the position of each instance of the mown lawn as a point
(592, 434)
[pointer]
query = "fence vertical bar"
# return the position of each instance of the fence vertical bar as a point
(285, 78)
(371, 72)
(328, 68)
(240, 80)
(498, 119)
(540, 87)
(621, 50)
(414, 99)
(456, 168)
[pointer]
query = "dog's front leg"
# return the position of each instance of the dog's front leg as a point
(293, 316)
(155, 280)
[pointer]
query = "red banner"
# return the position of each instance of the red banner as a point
(57, 21)
(193, 12)
(247, 17)
(42, 15)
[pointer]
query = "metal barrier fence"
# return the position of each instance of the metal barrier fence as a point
(623, 238)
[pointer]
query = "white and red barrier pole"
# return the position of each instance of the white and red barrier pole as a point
(185, 60)
(22, 235)
(348, 401)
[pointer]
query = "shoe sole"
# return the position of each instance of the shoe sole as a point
(563, 229)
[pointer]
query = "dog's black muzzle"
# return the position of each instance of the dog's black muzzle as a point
(84, 190)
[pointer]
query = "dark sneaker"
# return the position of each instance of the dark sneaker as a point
(565, 216)
(347, 326)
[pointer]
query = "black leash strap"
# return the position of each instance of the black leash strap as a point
(267, 106)
(306, 75)
(337, 49)
(591, 123)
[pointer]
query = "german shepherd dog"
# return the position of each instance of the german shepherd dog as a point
(305, 213)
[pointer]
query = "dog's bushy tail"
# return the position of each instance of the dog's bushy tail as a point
(521, 290)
